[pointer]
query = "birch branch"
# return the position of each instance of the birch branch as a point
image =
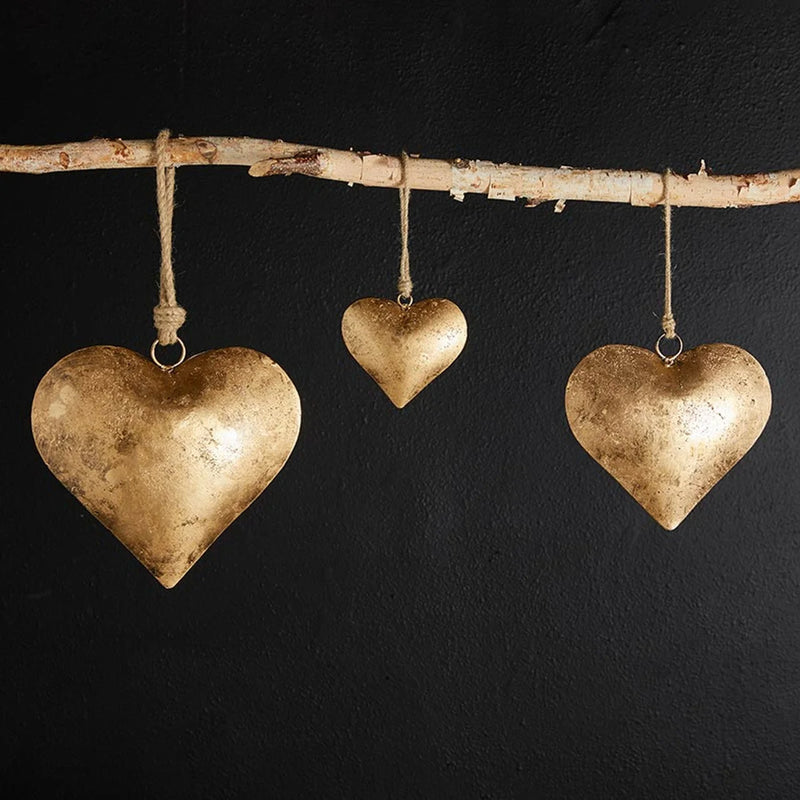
(459, 177)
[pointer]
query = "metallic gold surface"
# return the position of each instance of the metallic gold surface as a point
(668, 433)
(404, 348)
(166, 460)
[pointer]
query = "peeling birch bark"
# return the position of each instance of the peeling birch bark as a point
(459, 177)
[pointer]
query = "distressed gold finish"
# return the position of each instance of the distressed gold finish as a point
(668, 433)
(165, 459)
(404, 348)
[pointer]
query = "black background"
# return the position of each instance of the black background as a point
(453, 600)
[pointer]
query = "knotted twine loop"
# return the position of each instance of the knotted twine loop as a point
(667, 320)
(404, 283)
(168, 316)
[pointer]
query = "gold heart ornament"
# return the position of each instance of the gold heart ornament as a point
(668, 433)
(404, 347)
(166, 459)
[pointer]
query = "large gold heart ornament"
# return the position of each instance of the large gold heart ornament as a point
(166, 459)
(403, 348)
(668, 433)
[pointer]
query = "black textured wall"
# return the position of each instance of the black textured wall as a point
(452, 601)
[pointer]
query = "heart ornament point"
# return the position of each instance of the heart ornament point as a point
(668, 434)
(165, 459)
(403, 348)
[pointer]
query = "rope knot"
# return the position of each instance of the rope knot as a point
(404, 287)
(668, 324)
(167, 321)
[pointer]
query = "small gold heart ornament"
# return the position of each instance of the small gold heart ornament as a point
(165, 458)
(401, 344)
(403, 347)
(668, 429)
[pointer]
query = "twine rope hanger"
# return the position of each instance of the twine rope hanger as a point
(168, 316)
(667, 318)
(404, 282)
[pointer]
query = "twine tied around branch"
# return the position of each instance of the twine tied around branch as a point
(404, 283)
(668, 320)
(168, 316)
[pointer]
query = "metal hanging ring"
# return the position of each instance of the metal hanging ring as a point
(404, 301)
(668, 360)
(168, 367)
